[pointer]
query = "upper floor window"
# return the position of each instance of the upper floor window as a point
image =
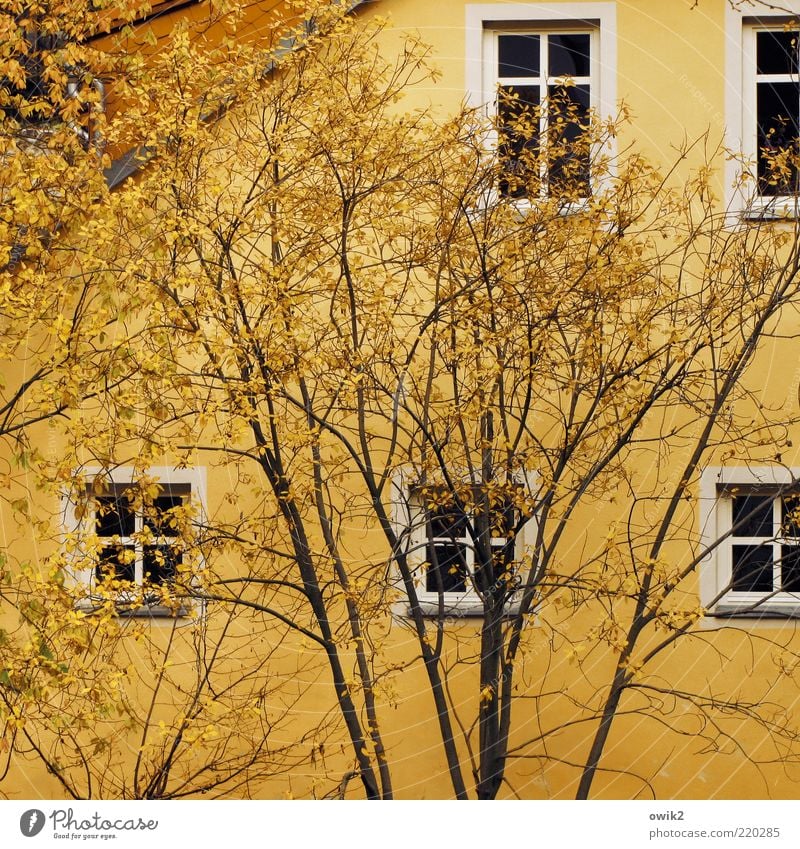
(47, 90)
(773, 58)
(764, 542)
(454, 564)
(140, 538)
(543, 89)
(752, 526)
(762, 108)
(542, 69)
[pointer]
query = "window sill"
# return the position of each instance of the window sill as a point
(785, 208)
(564, 209)
(523, 207)
(463, 609)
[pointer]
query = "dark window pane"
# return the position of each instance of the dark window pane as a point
(790, 568)
(161, 563)
(568, 55)
(776, 52)
(752, 569)
(110, 565)
(157, 517)
(518, 56)
(114, 517)
(34, 60)
(790, 516)
(447, 522)
(568, 109)
(447, 568)
(518, 104)
(518, 132)
(502, 555)
(777, 113)
(752, 516)
(568, 117)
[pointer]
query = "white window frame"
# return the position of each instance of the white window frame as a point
(79, 526)
(484, 22)
(741, 131)
(409, 526)
(717, 488)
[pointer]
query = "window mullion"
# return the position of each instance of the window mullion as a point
(776, 544)
(139, 547)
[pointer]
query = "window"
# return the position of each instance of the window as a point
(762, 107)
(139, 538)
(458, 554)
(29, 102)
(543, 95)
(539, 68)
(131, 538)
(752, 522)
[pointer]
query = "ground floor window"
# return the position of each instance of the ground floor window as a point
(133, 536)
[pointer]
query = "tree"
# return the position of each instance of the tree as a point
(52, 351)
(349, 317)
(428, 372)
(109, 706)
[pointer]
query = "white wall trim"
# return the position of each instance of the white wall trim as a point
(739, 132)
(604, 14)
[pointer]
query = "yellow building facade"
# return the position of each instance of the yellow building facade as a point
(471, 477)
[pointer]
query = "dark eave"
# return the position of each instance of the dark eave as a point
(132, 161)
(125, 166)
